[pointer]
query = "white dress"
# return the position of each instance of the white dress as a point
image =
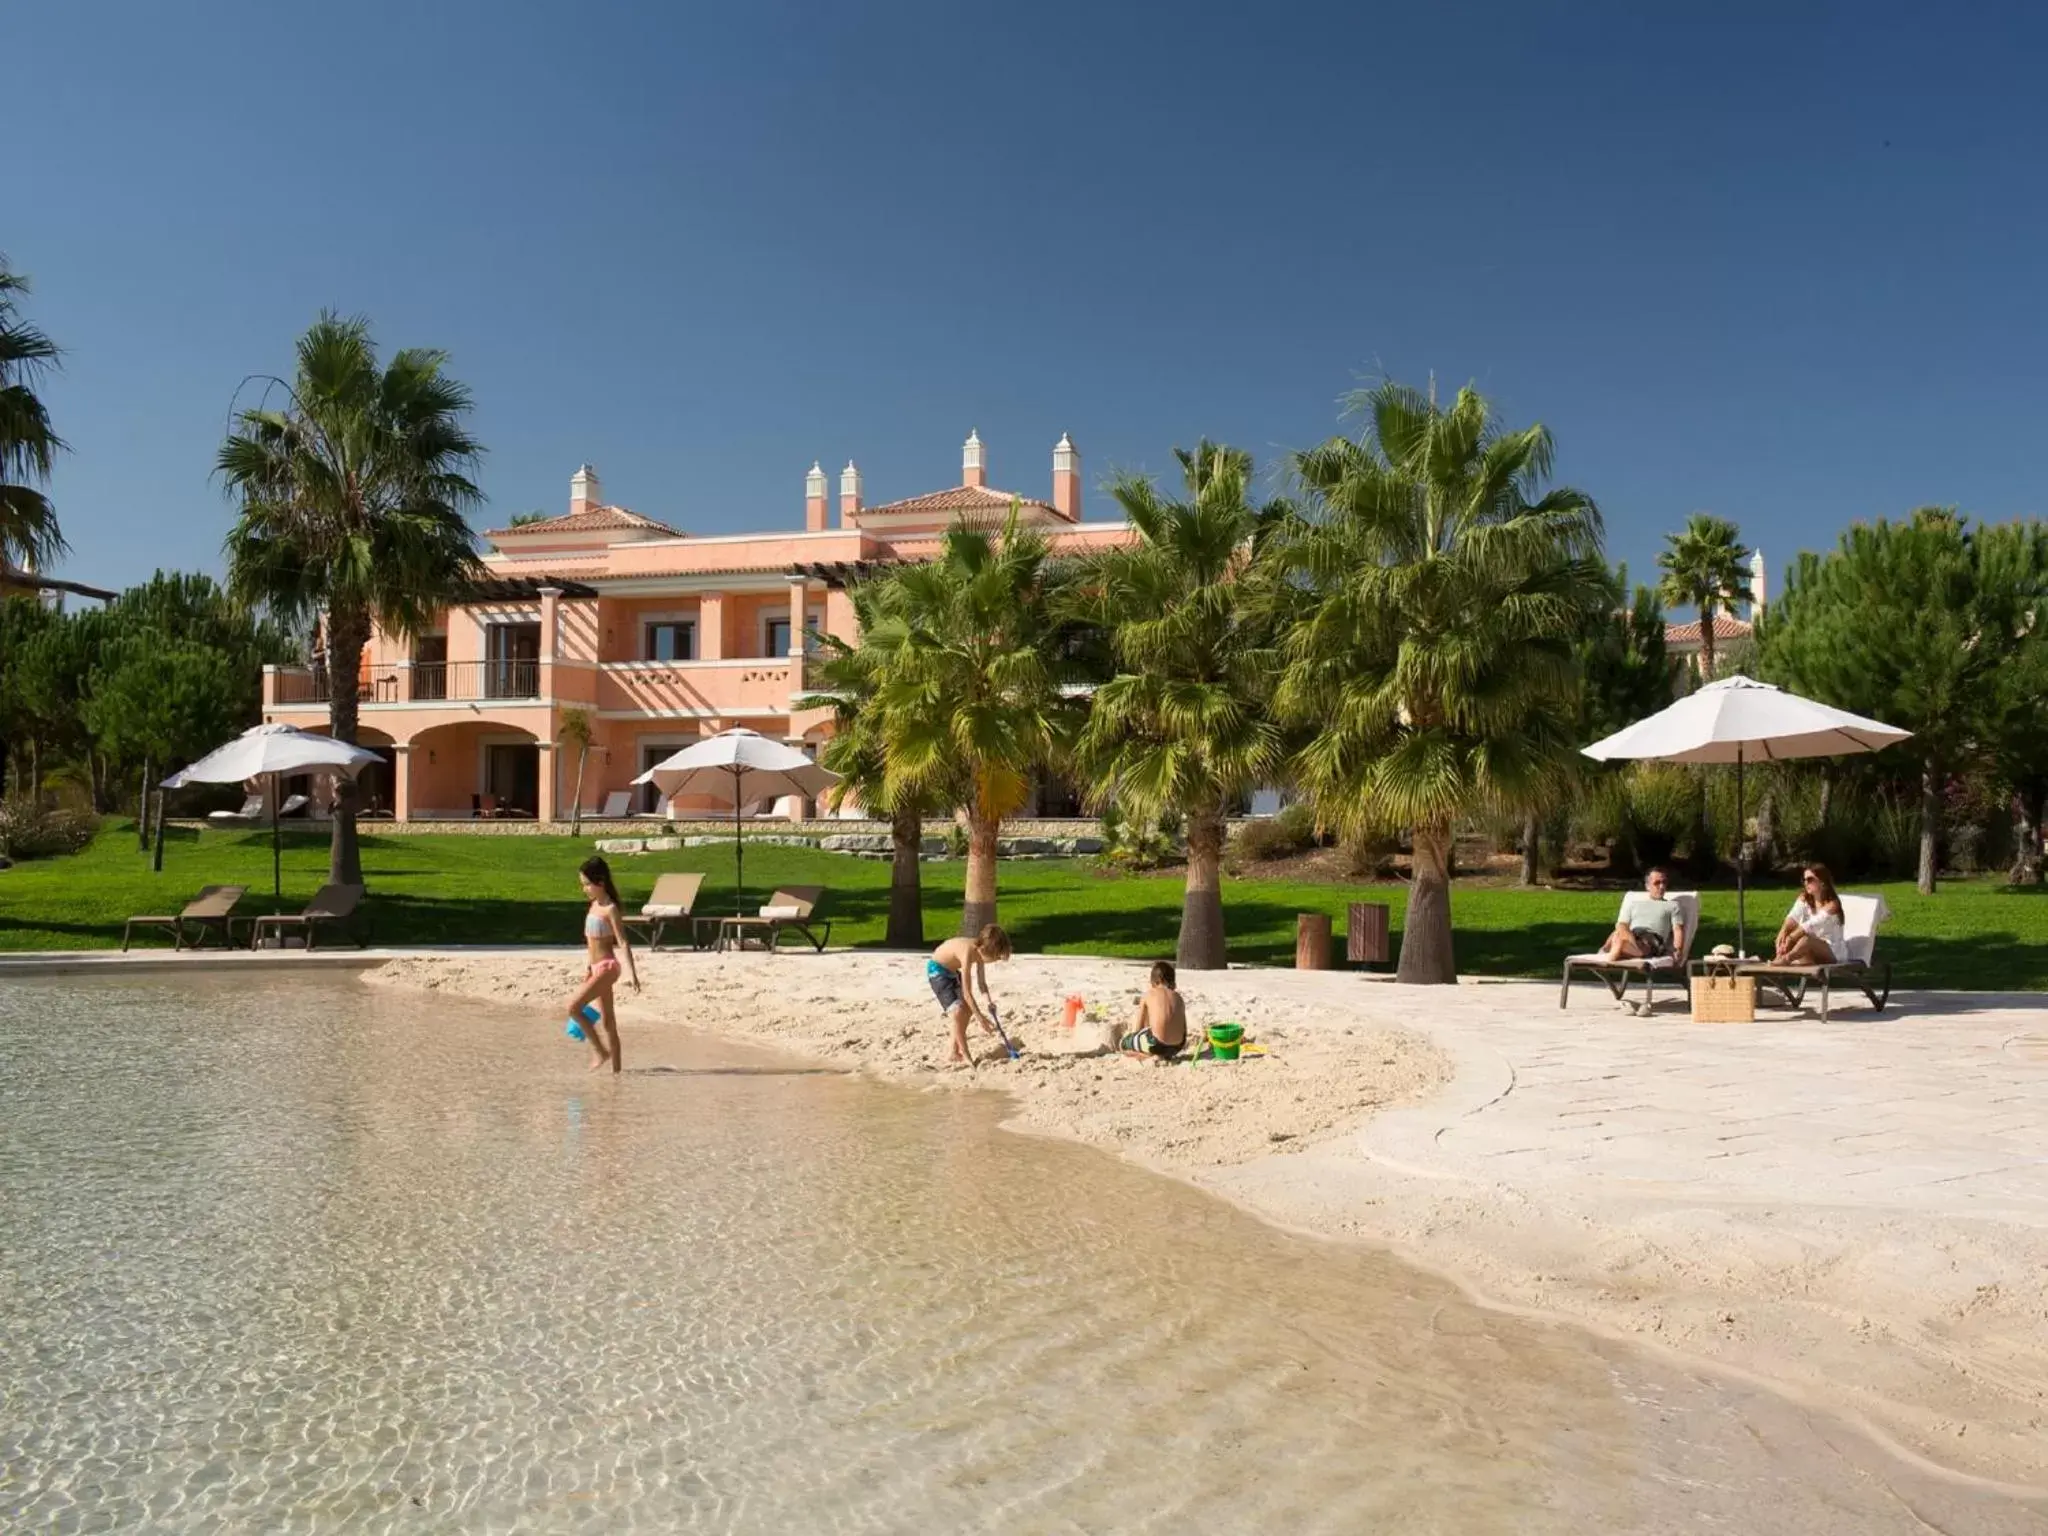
(1822, 924)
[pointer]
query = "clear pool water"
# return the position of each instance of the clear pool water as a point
(304, 1256)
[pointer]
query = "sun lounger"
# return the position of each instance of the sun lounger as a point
(252, 810)
(1861, 969)
(332, 905)
(617, 806)
(790, 910)
(209, 910)
(1619, 973)
(675, 893)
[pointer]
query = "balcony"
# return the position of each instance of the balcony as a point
(439, 682)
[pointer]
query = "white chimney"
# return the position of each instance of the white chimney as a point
(1066, 478)
(973, 460)
(1759, 598)
(849, 495)
(814, 499)
(586, 493)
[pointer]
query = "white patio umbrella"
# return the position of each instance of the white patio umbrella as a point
(746, 765)
(274, 751)
(1739, 720)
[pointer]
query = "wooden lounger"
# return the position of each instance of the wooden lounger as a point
(1861, 913)
(211, 909)
(675, 894)
(1619, 973)
(793, 907)
(333, 905)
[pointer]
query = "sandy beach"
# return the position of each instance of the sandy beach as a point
(1857, 1214)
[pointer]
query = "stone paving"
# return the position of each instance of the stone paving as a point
(1939, 1103)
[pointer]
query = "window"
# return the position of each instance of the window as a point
(672, 640)
(512, 661)
(778, 637)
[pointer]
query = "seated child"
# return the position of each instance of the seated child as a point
(952, 971)
(1162, 1019)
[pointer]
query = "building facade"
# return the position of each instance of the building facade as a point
(662, 637)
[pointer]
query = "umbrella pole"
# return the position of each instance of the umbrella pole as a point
(276, 849)
(1741, 832)
(739, 855)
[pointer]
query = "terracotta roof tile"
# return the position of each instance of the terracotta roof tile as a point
(596, 520)
(1725, 628)
(963, 498)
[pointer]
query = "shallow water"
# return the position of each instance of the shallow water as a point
(301, 1256)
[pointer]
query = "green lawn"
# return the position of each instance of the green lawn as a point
(463, 889)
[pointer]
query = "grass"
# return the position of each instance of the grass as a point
(464, 889)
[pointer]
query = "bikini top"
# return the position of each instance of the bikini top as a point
(596, 927)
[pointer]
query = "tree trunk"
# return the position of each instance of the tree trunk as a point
(35, 770)
(1532, 841)
(1930, 826)
(142, 811)
(1426, 956)
(348, 631)
(906, 881)
(1202, 946)
(1766, 833)
(1827, 793)
(2026, 837)
(980, 909)
(576, 801)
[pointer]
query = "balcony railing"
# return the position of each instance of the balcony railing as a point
(423, 683)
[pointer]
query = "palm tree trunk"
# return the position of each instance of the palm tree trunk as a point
(1930, 825)
(1706, 642)
(906, 882)
(1827, 793)
(1426, 956)
(980, 908)
(348, 631)
(1532, 833)
(1202, 945)
(576, 801)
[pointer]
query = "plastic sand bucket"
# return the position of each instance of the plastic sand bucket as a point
(1073, 1014)
(1224, 1040)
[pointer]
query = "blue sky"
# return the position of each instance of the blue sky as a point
(1785, 263)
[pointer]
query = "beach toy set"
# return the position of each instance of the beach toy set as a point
(586, 1015)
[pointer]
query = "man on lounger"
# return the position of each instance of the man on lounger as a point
(1650, 925)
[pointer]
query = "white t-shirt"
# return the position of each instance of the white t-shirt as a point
(1822, 924)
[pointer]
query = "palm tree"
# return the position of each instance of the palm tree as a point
(849, 684)
(969, 662)
(352, 500)
(29, 535)
(1431, 654)
(1184, 724)
(1705, 568)
(573, 730)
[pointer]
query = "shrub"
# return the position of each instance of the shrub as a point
(32, 831)
(1278, 837)
(1131, 842)
(1370, 856)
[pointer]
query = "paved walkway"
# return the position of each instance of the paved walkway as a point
(1938, 1103)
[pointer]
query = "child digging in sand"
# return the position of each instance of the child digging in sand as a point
(1162, 1020)
(952, 971)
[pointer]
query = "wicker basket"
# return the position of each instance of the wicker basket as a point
(1724, 999)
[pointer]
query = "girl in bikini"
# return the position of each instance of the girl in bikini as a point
(605, 936)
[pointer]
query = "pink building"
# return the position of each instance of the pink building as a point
(662, 636)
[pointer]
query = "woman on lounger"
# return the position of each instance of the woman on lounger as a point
(604, 935)
(1649, 927)
(1812, 933)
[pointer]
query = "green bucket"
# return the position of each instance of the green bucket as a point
(1224, 1039)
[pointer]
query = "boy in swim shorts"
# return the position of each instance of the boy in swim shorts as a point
(952, 971)
(1162, 1020)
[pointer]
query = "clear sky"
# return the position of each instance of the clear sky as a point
(1785, 263)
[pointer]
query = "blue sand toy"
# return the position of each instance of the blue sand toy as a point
(588, 1015)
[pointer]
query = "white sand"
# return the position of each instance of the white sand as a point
(1858, 1214)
